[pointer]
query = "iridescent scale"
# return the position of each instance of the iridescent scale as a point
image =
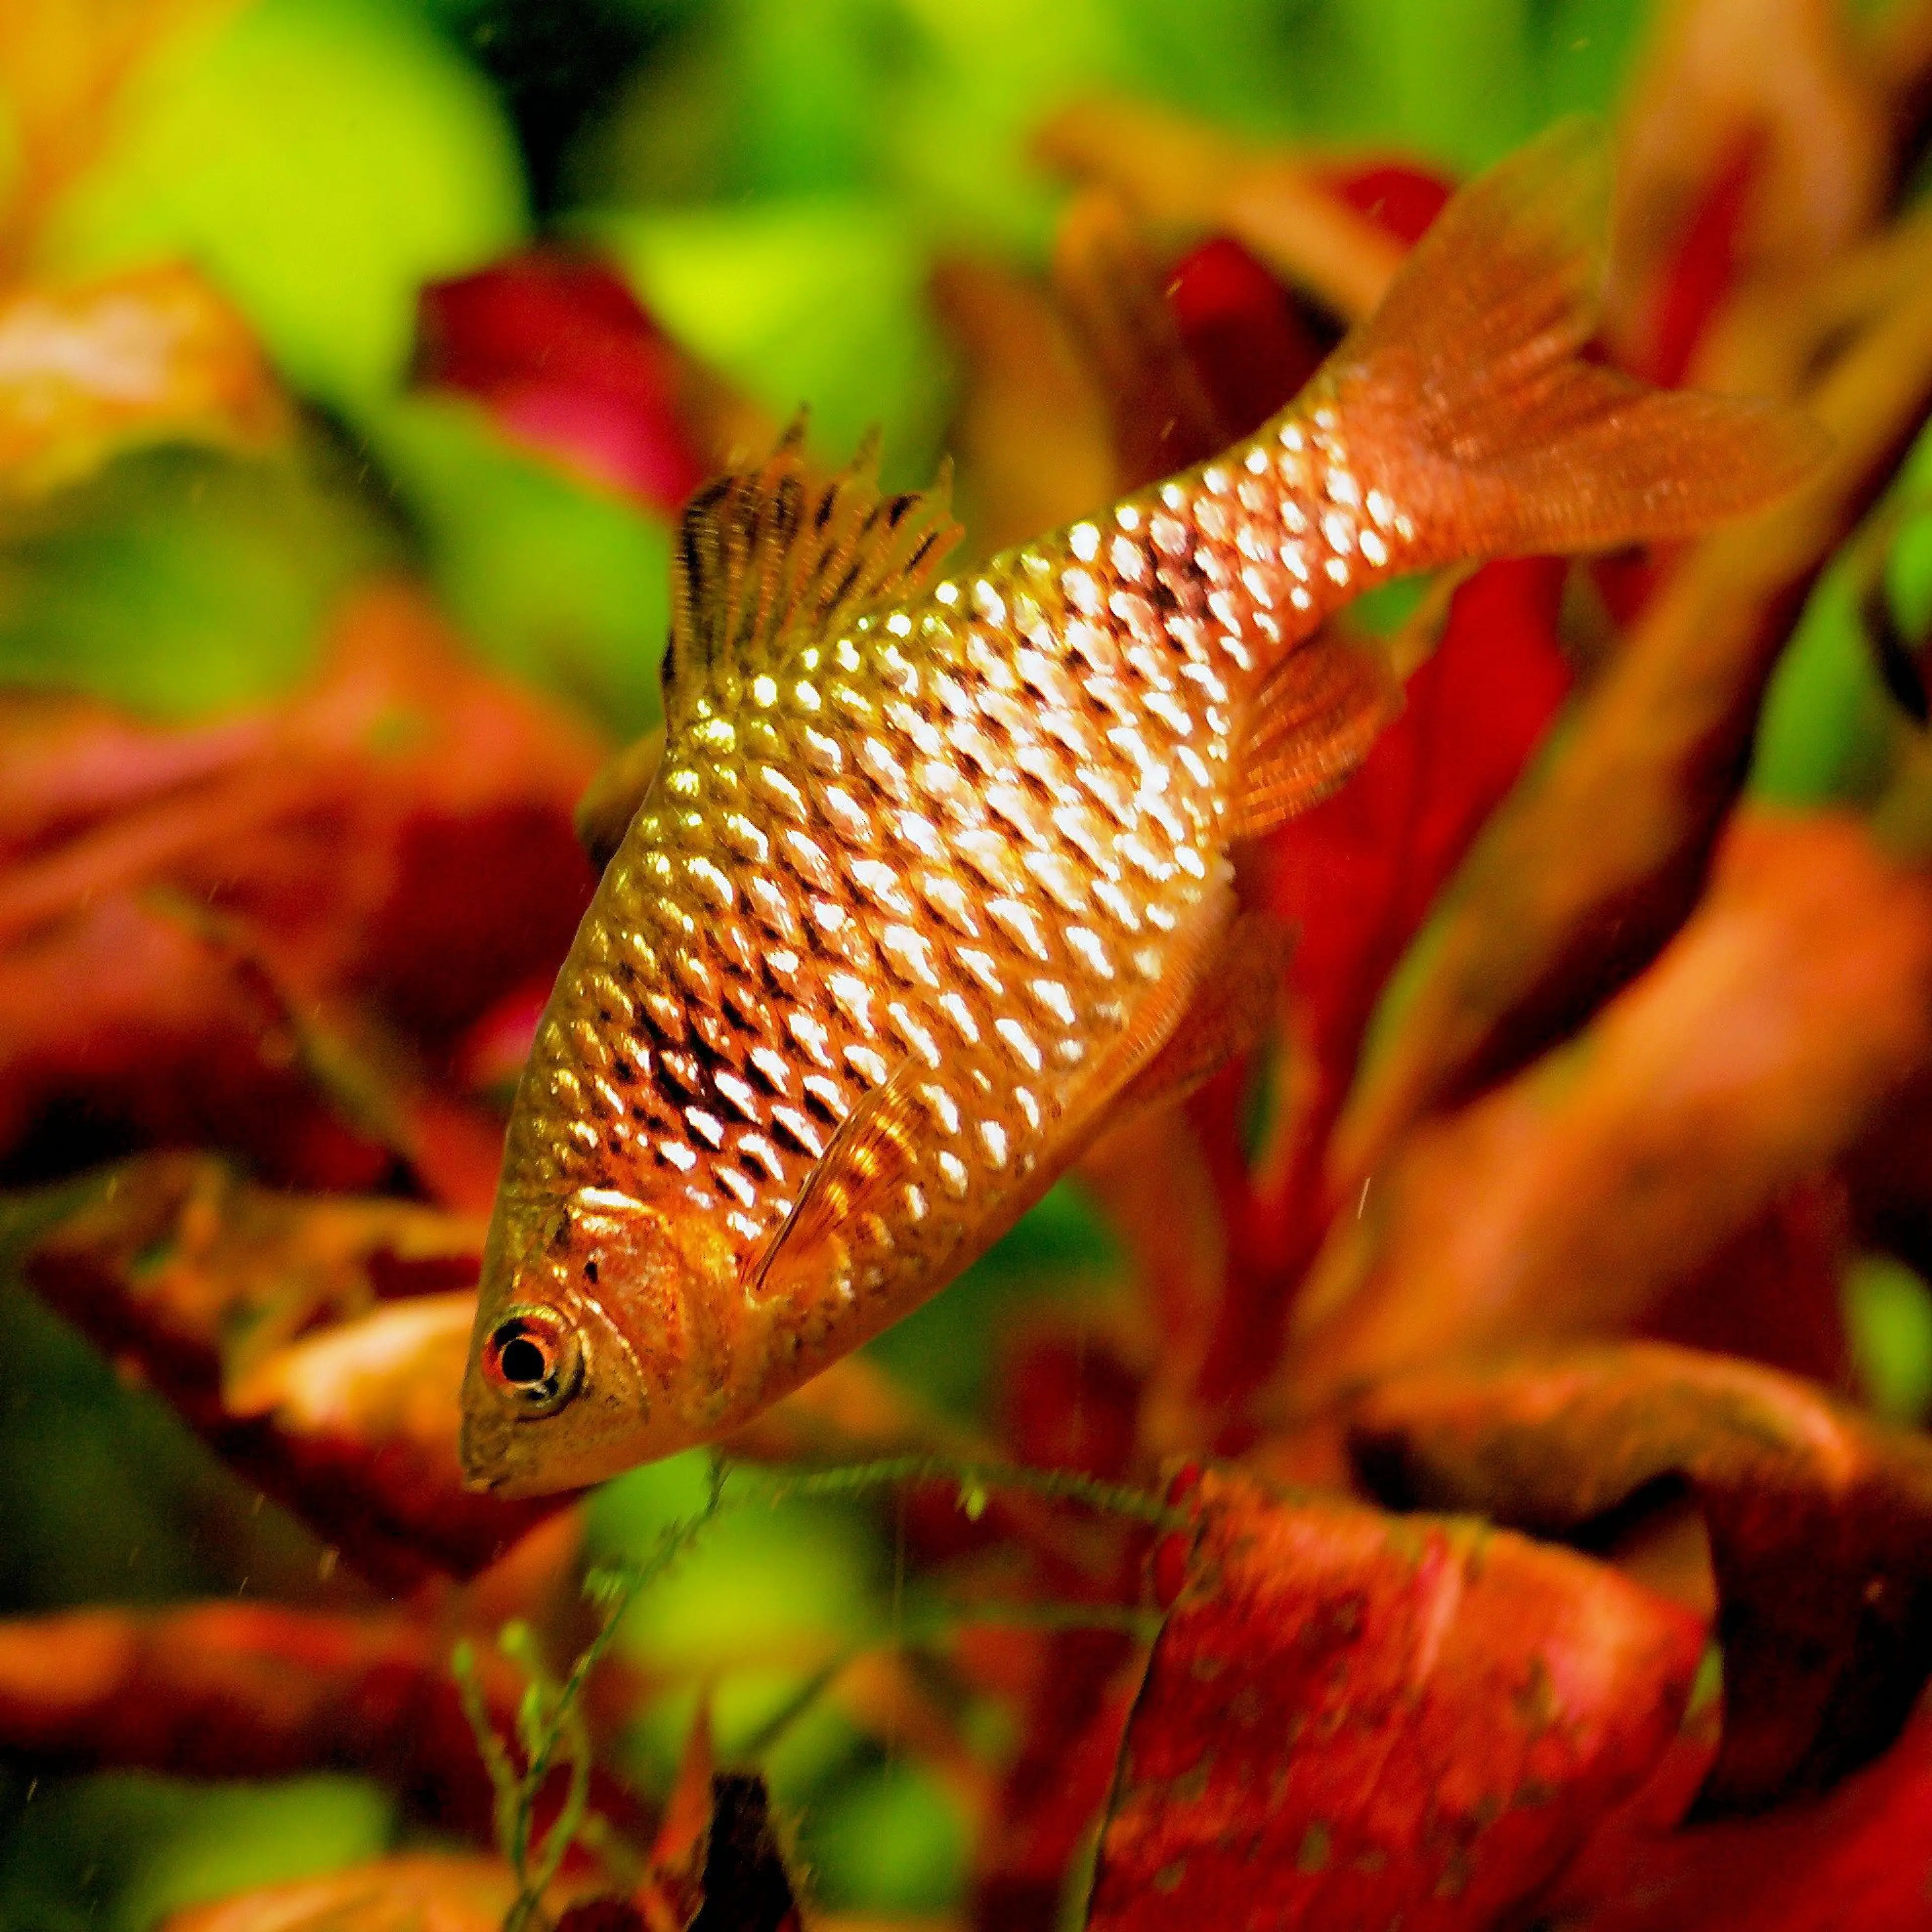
(962, 836)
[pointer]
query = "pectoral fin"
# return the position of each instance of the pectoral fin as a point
(865, 1169)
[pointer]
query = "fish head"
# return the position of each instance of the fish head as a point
(590, 1352)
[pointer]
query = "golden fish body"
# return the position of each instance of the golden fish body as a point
(931, 873)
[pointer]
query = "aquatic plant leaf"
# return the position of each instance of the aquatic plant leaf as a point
(1579, 880)
(321, 226)
(133, 1022)
(1182, 177)
(153, 355)
(1765, 1041)
(1029, 431)
(559, 349)
(315, 1342)
(412, 1891)
(305, 906)
(1819, 1522)
(1352, 1718)
(66, 67)
(259, 1690)
(1860, 1856)
(1734, 173)
(1054, 1792)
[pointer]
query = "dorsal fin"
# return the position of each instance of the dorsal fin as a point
(770, 552)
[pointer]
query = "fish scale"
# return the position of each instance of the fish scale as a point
(932, 873)
(858, 896)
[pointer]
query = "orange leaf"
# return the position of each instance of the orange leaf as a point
(150, 356)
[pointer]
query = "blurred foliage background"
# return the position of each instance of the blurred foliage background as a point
(775, 179)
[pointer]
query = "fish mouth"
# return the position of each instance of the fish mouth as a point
(483, 1449)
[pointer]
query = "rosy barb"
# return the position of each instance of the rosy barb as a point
(932, 878)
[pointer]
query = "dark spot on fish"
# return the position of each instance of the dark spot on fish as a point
(590, 1272)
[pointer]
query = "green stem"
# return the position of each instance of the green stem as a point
(973, 1480)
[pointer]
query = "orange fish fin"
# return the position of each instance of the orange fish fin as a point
(867, 1162)
(1162, 1009)
(1467, 391)
(776, 550)
(1233, 1003)
(1314, 720)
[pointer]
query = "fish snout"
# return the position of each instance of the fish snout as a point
(551, 1399)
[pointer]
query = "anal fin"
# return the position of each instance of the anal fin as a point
(1312, 724)
(1234, 999)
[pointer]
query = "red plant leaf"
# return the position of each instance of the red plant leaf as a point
(1769, 1035)
(568, 362)
(1861, 1857)
(271, 934)
(136, 1021)
(1400, 198)
(259, 1690)
(1354, 1719)
(1253, 346)
(1819, 1521)
(257, 1315)
(1057, 1786)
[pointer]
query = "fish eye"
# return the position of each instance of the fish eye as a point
(536, 1358)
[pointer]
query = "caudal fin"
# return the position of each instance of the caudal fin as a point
(1496, 437)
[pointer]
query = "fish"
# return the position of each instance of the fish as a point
(932, 879)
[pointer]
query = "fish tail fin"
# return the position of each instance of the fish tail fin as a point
(1467, 391)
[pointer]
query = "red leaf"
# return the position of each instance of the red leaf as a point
(1861, 1858)
(1768, 1037)
(1253, 346)
(256, 1690)
(1819, 1521)
(1398, 197)
(558, 347)
(257, 1315)
(1354, 1719)
(1057, 1785)
(1354, 878)
(267, 933)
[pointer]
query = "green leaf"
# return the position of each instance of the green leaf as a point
(820, 302)
(1827, 736)
(1888, 1316)
(321, 159)
(119, 1853)
(180, 581)
(561, 582)
(891, 1840)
